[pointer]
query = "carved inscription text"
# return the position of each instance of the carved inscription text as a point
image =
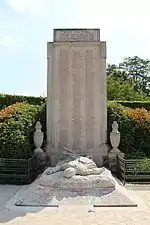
(87, 35)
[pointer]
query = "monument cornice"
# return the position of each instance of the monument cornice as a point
(76, 44)
(73, 35)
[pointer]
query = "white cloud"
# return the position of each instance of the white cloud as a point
(9, 41)
(111, 16)
(31, 6)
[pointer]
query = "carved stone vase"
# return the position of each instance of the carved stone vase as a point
(38, 141)
(115, 141)
(115, 137)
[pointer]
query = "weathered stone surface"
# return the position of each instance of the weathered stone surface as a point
(55, 197)
(70, 172)
(77, 182)
(76, 172)
(76, 98)
(82, 35)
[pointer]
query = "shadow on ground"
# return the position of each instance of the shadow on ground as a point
(6, 193)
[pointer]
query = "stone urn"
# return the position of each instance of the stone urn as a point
(38, 141)
(115, 141)
(115, 137)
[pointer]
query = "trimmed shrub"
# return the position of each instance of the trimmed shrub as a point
(9, 111)
(134, 126)
(42, 118)
(142, 166)
(135, 104)
(16, 131)
(142, 129)
(6, 100)
(116, 112)
(138, 114)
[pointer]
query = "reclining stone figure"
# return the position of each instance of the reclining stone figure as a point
(76, 165)
(76, 172)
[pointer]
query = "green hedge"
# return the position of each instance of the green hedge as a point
(6, 100)
(142, 166)
(135, 104)
(135, 132)
(16, 131)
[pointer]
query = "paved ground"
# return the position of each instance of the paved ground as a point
(79, 214)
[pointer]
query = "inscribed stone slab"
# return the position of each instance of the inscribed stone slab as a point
(77, 35)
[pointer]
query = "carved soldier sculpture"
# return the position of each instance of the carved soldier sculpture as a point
(76, 165)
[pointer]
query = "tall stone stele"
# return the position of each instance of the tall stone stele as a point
(76, 93)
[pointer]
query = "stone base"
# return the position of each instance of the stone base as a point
(76, 183)
(112, 156)
(38, 196)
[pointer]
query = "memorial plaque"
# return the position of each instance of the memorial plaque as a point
(76, 35)
(77, 113)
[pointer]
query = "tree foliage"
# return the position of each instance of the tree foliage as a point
(130, 80)
(139, 70)
(111, 68)
(120, 87)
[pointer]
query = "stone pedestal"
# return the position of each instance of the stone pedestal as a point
(76, 93)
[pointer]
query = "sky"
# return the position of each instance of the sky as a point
(27, 25)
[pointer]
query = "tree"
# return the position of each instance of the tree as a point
(120, 87)
(138, 70)
(121, 75)
(111, 68)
